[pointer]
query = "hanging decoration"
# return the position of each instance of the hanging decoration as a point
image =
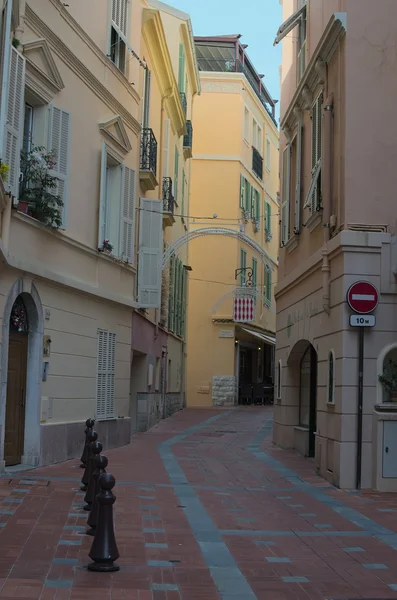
(19, 317)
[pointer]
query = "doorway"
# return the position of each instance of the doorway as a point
(16, 384)
(308, 395)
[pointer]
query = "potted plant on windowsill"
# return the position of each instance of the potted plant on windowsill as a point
(4, 168)
(389, 379)
(107, 247)
(38, 193)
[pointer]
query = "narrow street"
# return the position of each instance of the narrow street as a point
(206, 508)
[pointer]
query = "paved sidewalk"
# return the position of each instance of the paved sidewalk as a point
(206, 508)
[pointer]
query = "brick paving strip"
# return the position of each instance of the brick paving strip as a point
(206, 508)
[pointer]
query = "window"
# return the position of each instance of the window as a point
(150, 252)
(27, 129)
(59, 142)
(301, 45)
(117, 206)
(181, 70)
(243, 265)
(313, 200)
(177, 297)
(106, 373)
(254, 272)
(245, 195)
(268, 286)
(331, 378)
(285, 196)
(268, 157)
(246, 125)
(118, 33)
(254, 133)
(268, 222)
(255, 205)
(278, 380)
(176, 174)
(260, 140)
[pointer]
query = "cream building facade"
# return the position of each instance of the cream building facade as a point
(337, 227)
(68, 294)
(234, 216)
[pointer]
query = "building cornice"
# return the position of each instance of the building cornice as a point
(156, 43)
(66, 55)
(191, 59)
(315, 71)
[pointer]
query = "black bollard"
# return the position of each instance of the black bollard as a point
(100, 462)
(96, 448)
(92, 436)
(89, 424)
(104, 549)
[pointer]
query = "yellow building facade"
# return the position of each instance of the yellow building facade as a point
(234, 213)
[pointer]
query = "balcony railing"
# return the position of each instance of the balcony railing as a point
(184, 102)
(148, 151)
(188, 138)
(257, 163)
(224, 65)
(168, 196)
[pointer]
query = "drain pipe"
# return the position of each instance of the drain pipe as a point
(327, 199)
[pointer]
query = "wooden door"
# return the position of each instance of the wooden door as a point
(16, 394)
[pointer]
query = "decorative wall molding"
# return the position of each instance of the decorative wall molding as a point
(66, 55)
(114, 131)
(218, 87)
(44, 83)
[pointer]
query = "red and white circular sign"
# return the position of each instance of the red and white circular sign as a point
(363, 297)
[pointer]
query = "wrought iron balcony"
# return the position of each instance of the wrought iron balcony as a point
(257, 163)
(168, 196)
(184, 102)
(148, 164)
(188, 140)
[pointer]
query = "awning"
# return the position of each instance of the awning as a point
(264, 338)
(289, 24)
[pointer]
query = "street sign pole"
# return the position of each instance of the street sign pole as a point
(363, 298)
(360, 405)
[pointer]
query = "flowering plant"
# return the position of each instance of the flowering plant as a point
(39, 187)
(246, 214)
(256, 225)
(4, 168)
(107, 246)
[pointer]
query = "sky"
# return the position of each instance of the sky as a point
(256, 20)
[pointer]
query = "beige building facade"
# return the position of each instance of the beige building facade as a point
(337, 227)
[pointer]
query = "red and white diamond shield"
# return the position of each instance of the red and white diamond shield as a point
(243, 309)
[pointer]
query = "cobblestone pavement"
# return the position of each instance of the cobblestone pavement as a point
(206, 508)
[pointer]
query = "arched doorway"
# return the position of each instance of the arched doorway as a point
(16, 383)
(308, 395)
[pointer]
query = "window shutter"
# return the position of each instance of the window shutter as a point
(252, 203)
(128, 214)
(254, 272)
(150, 251)
(176, 174)
(183, 193)
(316, 149)
(14, 122)
(257, 206)
(247, 196)
(298, 177)
(268, 218)
(268, 285)
(242, 192)
(59, 141)
(166, 147)
(102, 198)
(181, 72)
(184, 297)
(243, 264)
(119, 14)
(106, 373)
(284, 231)
(171, 295)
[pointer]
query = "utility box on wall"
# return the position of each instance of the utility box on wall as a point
(389, 466)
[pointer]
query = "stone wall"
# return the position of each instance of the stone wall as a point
(151, 408)
(224, 392)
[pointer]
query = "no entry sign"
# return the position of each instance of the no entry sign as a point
(363, 297)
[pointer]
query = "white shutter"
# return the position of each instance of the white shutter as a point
(150, 251)
(102, 198)
(316, 151)
(166, 147)
(298, 177)
(285, 196)
(106, 373)
(119, 14)
(14, 119)
(59, 142)
(128, 215)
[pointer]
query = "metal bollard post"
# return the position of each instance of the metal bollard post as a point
(89, 424)
(101, 462)
(104, 549)
(92, 436)
(96, 448)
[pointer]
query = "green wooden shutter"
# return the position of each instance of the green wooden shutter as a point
(171, 295)
(183, 193)
(243, 264)
(254, 272)
(247, 196)
(184, 296)
(176, 174)
(268, 284)
(181, 72)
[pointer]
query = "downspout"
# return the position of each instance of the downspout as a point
(327, 198)
(165, 97)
